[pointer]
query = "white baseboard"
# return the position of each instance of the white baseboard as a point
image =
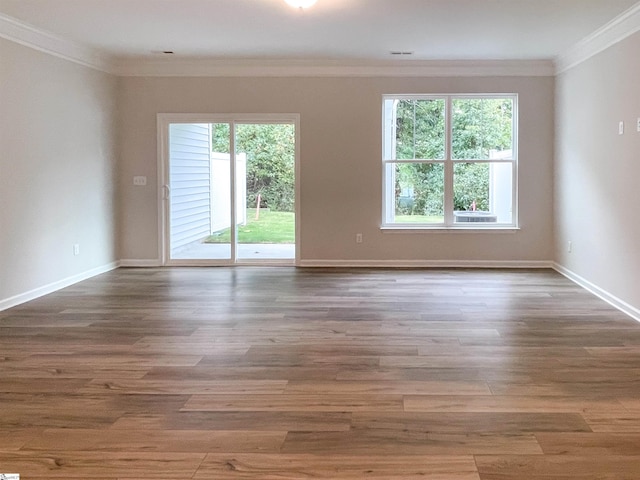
(55, 286)
(427, 263)
(612, 300)
(132, 262)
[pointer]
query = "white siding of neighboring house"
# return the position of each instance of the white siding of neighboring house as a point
(189, 179)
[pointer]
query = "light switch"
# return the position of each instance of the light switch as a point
(621, 128)
(638, 125)
(140, 180)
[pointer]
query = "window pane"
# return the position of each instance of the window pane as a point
(482, 192)
(221, 137)
(482, 128)
(419, 192)
(414, 129)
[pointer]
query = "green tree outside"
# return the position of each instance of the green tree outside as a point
(479, 126)
(270, 150)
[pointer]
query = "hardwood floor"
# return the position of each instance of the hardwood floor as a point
(282, 373)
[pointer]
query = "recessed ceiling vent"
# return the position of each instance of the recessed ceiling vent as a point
(400, 53)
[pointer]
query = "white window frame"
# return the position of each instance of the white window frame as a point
(388, 193)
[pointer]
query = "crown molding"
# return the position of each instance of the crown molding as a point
(330, 68)
(29, 36)
(611, 33)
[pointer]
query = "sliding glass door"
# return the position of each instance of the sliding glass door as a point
(265, 174)
(229, 189)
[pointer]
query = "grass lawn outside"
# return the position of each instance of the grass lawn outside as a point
(418, 219)
(271, 227)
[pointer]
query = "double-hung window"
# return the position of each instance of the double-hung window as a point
(449, 161)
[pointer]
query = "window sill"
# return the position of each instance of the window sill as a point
(441, 229)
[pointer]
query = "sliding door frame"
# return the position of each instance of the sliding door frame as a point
(164, 120)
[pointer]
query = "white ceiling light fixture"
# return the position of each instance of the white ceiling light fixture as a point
(301, 4)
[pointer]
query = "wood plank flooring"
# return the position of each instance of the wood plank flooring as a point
(281, 373)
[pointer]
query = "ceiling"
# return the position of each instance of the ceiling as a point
(345, 30)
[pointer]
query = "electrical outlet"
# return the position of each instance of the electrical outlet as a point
(569, 246)
(621, 128)
(140, 180)
(358, 238)
(638, 125)
(76, 249)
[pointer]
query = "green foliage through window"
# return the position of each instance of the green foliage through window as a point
(420, 129)
(270, 150)
(481, 126)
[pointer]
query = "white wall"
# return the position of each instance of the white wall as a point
(597, 171)
(57, 171)
(341, 182)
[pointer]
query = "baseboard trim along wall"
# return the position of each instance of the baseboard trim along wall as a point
(612, 300)
(426, 263)
(144, 263)
(55, 286)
